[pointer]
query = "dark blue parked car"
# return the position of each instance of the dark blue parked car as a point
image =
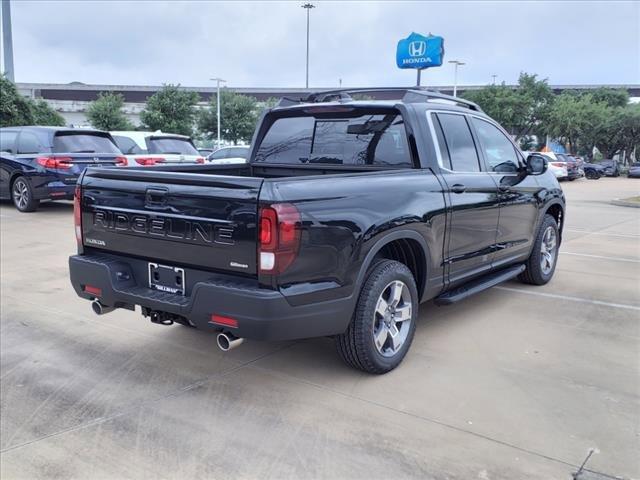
(43, 163)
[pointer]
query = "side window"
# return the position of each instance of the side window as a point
(8, 141)
(28, 143)
(460, 145)
(498, 150)
(442, 144)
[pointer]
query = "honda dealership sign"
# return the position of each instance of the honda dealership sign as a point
(418, 51)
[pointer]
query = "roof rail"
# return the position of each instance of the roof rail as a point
(410, 95)
(415, 95)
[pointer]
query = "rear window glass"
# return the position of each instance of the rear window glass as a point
(371, 139)
(127, 145)
(83, 143)
(178, 146)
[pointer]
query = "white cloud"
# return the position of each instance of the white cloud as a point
(262, 44)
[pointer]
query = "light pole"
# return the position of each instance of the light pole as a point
(218, 80)
(7, 40)
(307, 7)
(455, 76)
(494, 78)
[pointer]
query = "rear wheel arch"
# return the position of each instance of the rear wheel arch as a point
(407, 247)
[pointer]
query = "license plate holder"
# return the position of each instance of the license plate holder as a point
(166, 278)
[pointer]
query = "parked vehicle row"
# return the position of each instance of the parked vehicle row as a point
(564, 166)
(147, 148)
(43, 163)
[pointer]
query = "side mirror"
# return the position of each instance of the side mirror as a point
(536, 164)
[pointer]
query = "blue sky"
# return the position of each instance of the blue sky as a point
(262, 44)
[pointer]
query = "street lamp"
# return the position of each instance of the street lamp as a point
(307, 7)
(7, 40)
(455, 76)
(218, 80)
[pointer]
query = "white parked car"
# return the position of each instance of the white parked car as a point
(556, 166)
(236, 154)
(153, 148)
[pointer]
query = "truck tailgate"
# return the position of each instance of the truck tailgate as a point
(193, 219)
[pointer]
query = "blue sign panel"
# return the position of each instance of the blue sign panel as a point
(418, 51)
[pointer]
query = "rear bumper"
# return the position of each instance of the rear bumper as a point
(262, 314)
(55, 190)
(49, 186)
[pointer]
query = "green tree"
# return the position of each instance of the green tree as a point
(106, 113)
(43, 114)
(171, 110)
(269, 102)
(18, 110)
(521, 111)
(14, 108)
(613, 97)
(619, 130)
(567, 119)
(239, 116)
(631, 129)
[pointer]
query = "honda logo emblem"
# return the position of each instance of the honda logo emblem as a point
(417, 49)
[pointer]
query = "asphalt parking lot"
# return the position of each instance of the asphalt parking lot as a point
(518, 382)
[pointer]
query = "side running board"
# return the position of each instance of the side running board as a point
(478, 285)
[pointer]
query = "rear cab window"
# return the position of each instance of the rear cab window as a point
(348, 137)
(171, 145)
(83, 142)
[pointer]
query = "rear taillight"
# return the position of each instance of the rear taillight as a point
(148, 161)
(122, 161)
(279, 237)
(58, 163)
(77, 214)
(557, 164)
(200, 160)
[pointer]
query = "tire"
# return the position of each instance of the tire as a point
(535, 273)
(357, 346)
(22, 195)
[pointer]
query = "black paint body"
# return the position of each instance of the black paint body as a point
(458, 226)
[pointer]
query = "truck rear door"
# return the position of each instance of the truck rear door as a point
(180, 219)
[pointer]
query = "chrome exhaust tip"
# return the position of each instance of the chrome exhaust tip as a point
(227, 341)
(100, 309)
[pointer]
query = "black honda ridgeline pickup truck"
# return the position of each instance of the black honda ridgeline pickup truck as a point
(348, 216)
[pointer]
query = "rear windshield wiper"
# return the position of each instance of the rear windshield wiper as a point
(84, 151)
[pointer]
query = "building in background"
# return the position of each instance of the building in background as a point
(72, 99)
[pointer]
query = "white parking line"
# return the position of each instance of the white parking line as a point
(617, 259)
(589, 232)
(571, 299)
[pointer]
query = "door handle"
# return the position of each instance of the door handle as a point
(458, 188)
